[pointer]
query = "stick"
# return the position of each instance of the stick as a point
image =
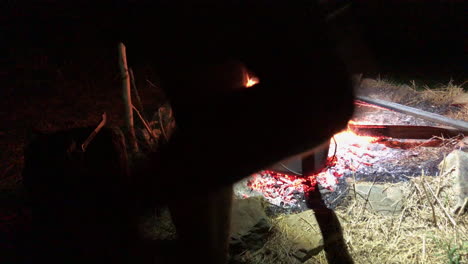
(94, 133)
(137, 95)
(341, 194)
(367, 197)
(145, 124)
(401, 218)
(448, 171)
(424, 248)
(443, 208)
(441, 176)
(462, 209)
(402, 131)
(309, 223)
(127, 97)
(427, 196)
(151, 84)
(462, 125)
(162, 125)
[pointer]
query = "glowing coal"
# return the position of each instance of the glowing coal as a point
(286, 190)
(354, 158)
(349, 155)
(279, 189)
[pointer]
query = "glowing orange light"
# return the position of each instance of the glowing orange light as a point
(251, 81)
(348, 137)
(274, 185)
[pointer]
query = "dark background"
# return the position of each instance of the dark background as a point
(417, 39)
(59, 70)
(46, 40)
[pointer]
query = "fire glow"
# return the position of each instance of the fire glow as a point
(280, 189)
(347, 137)
(251, 81)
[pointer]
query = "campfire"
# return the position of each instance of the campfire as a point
(366, 151)
(346, 155)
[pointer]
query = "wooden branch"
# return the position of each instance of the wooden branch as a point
(459, 124)
(94, 133)
(137, 95)
(127, 97)
(407, 132)
(411, 143)
(145, 124)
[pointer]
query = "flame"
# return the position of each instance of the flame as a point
(348, 137)
(251, 81)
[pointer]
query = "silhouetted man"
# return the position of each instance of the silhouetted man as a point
(202, 51)
(226, 131)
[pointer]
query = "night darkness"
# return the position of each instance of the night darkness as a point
(417, 39)
(411, 39)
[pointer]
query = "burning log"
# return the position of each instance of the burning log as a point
(403, 131)
(398, 144)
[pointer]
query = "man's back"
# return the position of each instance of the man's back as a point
(303, 85)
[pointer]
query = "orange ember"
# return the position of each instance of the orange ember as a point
(275, 185)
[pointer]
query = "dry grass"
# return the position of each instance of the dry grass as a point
(450, 97)
(442, 95)
(386, 90)
(424, 231)
(461, 114)
(285, 236)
